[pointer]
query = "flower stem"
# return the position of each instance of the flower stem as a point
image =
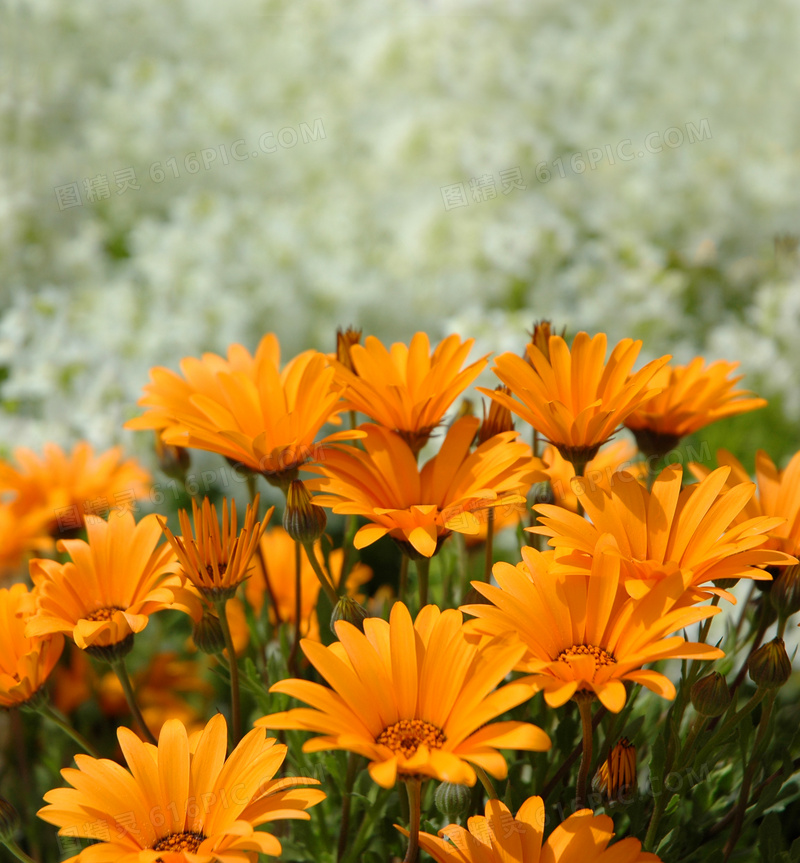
(298, 607)
(747, 780)
(488, 785)
(487, 566)
(413, 786)
(121, 671)
(233, 666)
(585, 707)
(323, 579)
(344, 825)
(61, 721)
(423, 568)
(402, 587)
(17, 851)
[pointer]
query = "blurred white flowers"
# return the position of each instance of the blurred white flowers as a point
(675, 247)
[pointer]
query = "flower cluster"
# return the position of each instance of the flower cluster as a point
(554, 652)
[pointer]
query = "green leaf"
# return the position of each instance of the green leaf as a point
(658, 758)
(770, 838)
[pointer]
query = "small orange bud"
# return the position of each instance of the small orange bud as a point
(345, 339)
(616, 776)
(499, 418)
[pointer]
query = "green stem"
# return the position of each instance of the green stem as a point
(488, 785)
(691, 738)
(744, 793)
(61, 721)
(365, 831)
(344, 826)
(323, 579)
(233, 667)
(298, 608)
(423, 568)
(402, 587)
(17, 851)
(121, 670)
(413, 786)
(730, 724)
(585, 706)
(487, 566)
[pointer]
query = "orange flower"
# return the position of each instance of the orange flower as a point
(420, 508)
(278, 582)
(500, 838)
(68, 488)
(574, 398)
(182, 802)
(581, 632)
(21, 534)
(108, 589)
(778, 496)
(245, 407)
(25, 661)
(408, 389)
(598, 471)
(412, 697)
(691, 398)
(694, 529)
(216, 564)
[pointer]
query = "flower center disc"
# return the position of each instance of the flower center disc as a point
(407, 735)
(186, 841)
(106, 613)
(601, 657)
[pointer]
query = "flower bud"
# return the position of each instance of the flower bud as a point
(453, 800)
(785, 592)
(351, 611)
(9, 820)
(616, 776)
(540, 336)
(303, 520)
(207, 634)
(710, 695)
(770, 666)
(345, 339)
(173, 460)
(498, 420)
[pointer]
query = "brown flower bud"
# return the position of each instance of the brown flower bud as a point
(207, 634)
(9, 820)
(498, 420)
(710, 695)
(344, 341)
(785, 592)
(303, 520)
(770, 666)
(616, 776)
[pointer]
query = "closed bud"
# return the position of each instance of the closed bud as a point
(453, 800)
(345, 339)
(173, 460)
(303, 520)
(351, 611)
(9, 821)
(770, 666)
(540, 336)
(498, 420)
(710, 695)
(207, 634)
(616, 776)
(785, 592)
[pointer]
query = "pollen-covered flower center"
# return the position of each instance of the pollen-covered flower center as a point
(601, 657)
(106, 613)
(186, 841)
(407, 735)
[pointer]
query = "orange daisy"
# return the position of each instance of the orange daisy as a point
(408, 388)
(21, 534)
(180, 802)
(582, 633)
(278, 581)
(498, 837)
(415, 698)
(778, 496)
(246, 408)
(70, 487)
(691, 398)
(108, 589)
(215, 562)
(419, 508)
(25, 661)
(693, 528)
(573, 397)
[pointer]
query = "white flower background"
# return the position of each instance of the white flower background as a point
(382, 105)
